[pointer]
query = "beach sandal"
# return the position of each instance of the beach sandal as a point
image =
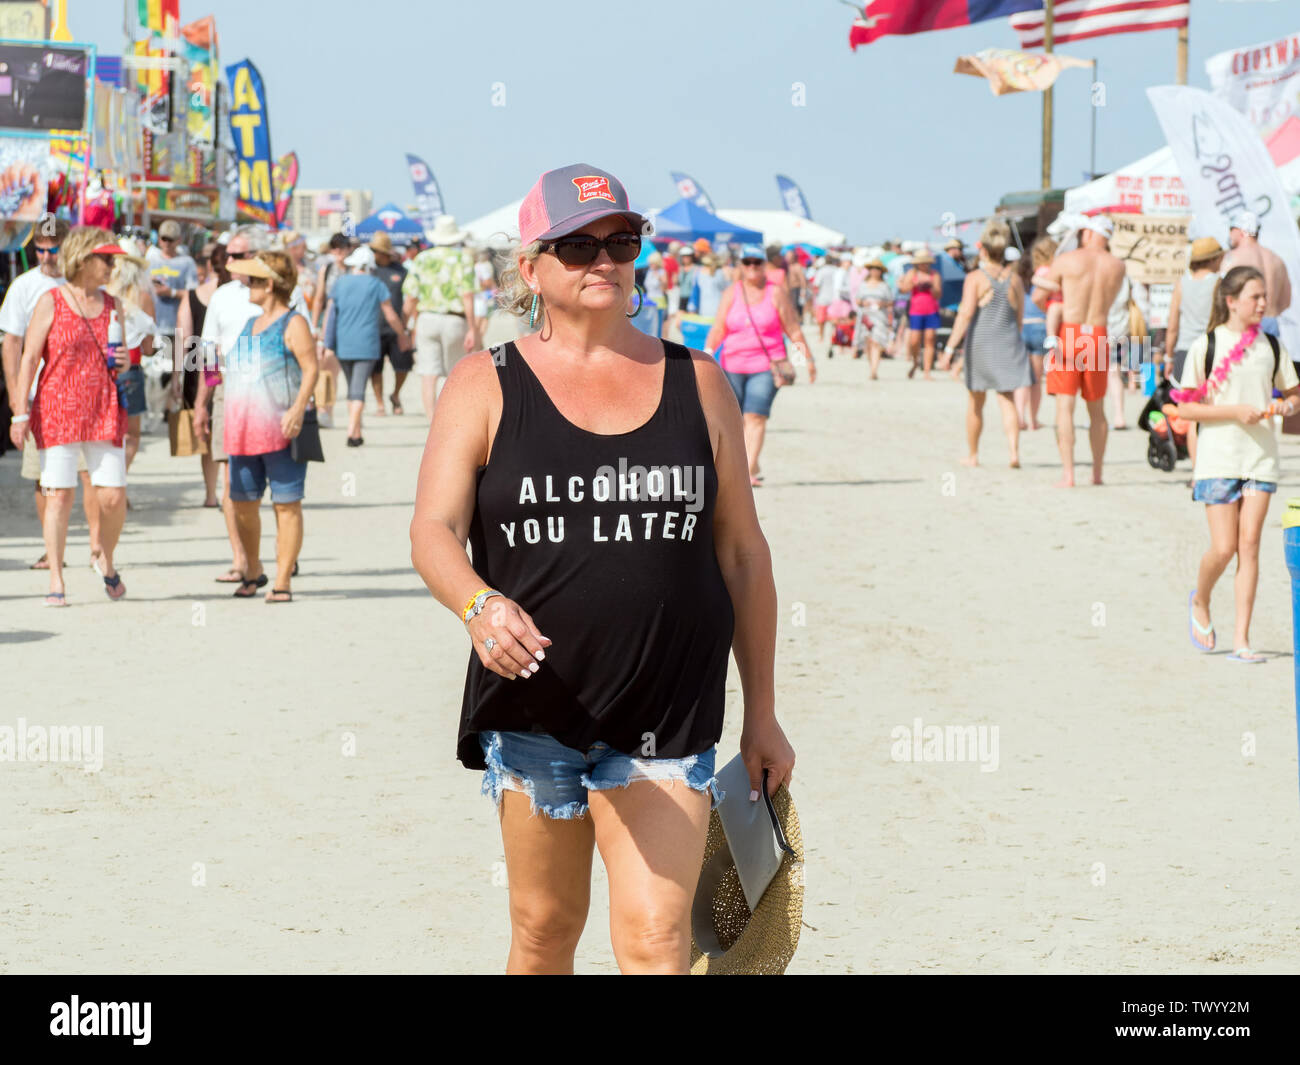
(756, 482)
(231, 576)
(97, 562)
(55, 599)
(397, 404)
(1245, 656)
(279, 595)
(248, 589)
(113, 587)
(41, 563)
(1194, 626)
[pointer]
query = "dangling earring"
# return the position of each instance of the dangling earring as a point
(640, 299)
(532, 314)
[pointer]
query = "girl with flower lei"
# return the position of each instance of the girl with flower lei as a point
(1236, 466)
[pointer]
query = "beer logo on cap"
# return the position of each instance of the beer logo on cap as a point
(593, 187)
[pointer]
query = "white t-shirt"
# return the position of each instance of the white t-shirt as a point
(1230, 449)
(229, 310)
(20, 301)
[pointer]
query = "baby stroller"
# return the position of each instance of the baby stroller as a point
(1167, 441)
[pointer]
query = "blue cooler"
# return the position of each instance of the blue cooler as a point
(695, 330)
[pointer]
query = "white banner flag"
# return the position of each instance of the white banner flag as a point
(1226, 168)
(1262, 81)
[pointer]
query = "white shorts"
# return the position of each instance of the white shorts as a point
(439, 343)
(106, 464)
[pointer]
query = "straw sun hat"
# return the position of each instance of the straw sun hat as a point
(726, 938)
(1203, 249)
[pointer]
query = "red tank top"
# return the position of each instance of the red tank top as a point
(76, 396)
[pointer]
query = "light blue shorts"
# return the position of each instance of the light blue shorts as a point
(1227, 489)
(556, 778)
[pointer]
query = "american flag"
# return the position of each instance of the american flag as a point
(1077, 20)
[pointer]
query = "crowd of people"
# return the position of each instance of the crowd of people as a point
(240, 339)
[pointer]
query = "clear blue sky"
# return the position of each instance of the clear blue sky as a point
(888, 141)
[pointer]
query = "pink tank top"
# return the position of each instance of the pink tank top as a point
(744, 343)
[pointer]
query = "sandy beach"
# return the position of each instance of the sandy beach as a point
(279, 791)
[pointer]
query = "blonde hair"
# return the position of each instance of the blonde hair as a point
(994, 240)
(129, 281)
(513, 293)
(76, 249)
(1042, 251)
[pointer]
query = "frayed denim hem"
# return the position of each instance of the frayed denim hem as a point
(688, 770)
(497, 780)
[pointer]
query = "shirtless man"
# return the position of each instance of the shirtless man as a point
(1089, 278)
(1248, 251)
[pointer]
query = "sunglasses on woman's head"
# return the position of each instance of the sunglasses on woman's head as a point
(583, 250)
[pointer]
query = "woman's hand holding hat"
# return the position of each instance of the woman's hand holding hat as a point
(763, 746)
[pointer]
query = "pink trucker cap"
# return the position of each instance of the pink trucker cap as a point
(568, 198)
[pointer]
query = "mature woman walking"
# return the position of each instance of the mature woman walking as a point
(599, 475)
(875, 302)
(359, 302)
(268, 382)
(753, 320)
(76, 409)
(992, 305)
(1237, 456)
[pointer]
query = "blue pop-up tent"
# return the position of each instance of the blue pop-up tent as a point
(685, 221)
(392, 220)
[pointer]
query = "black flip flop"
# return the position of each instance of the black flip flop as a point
(242, 593)
(288, 595)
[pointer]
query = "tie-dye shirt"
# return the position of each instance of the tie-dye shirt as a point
(261, 379)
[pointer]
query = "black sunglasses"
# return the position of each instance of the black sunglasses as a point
(239, 255)
(752, 262)
(583, 250)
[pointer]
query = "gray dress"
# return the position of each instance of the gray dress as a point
(996, 359)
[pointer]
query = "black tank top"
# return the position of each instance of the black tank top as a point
(607, 541)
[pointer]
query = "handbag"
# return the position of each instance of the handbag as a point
(782, 368)
(181, 436)
(306, 446)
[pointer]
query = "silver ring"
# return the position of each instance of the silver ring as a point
(488, 644)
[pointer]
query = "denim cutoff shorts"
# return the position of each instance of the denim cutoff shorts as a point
(556, 778)
(1227, 489)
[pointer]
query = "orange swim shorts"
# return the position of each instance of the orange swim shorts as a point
(1079, 364)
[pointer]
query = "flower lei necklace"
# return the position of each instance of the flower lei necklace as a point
(1219, 374)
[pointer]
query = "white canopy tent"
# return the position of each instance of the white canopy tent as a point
(497, 229)
(1151, 185)
(784, 227)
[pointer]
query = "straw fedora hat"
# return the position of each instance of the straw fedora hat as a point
(726, 938)
(922, 257)
(1204, 248)
(445, 231)
(874, 264)
(381, 242)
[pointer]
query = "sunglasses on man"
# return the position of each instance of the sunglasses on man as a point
(54, 250)
(583, 250)
(239, 255)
